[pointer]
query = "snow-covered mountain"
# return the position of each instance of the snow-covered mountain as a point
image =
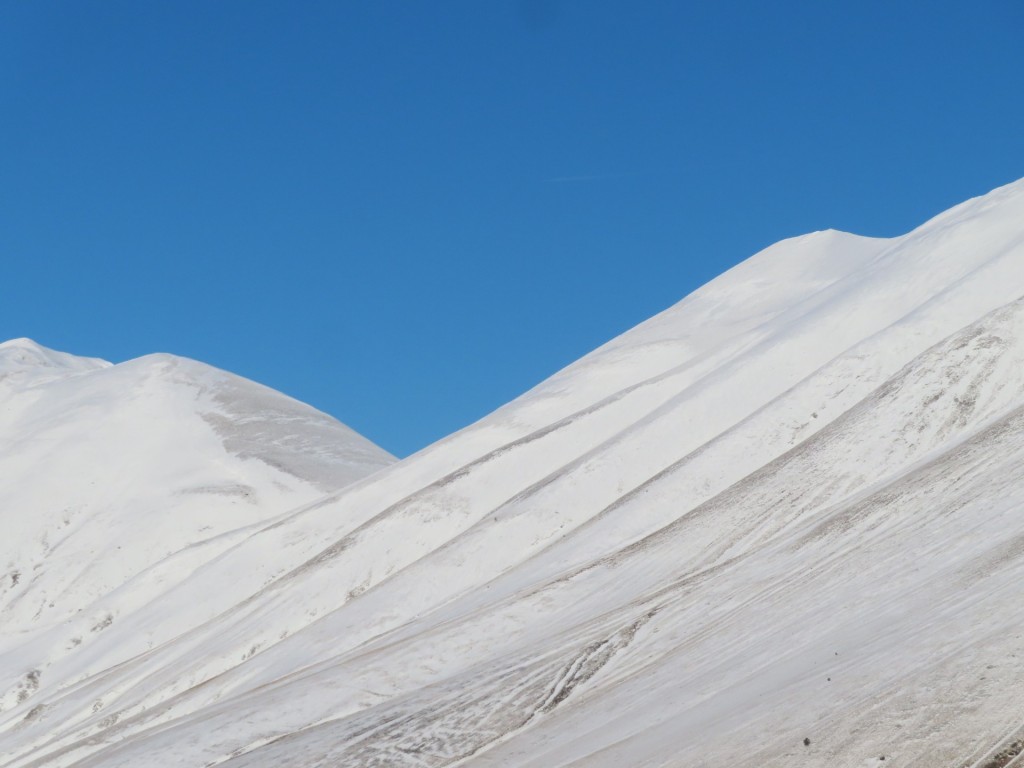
(117, 481)
(778, 524)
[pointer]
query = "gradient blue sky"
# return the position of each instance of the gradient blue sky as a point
(407, 213)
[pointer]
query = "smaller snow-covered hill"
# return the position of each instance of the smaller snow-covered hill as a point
(116, 481)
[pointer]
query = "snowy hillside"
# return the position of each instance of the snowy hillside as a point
(119, 480)
(781, 523)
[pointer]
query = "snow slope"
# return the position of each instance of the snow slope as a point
(787, 508)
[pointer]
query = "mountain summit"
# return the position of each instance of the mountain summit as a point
(777, 524)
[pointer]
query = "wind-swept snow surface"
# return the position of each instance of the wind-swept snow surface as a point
(778, 524)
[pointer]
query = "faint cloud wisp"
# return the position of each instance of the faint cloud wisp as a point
(586, 177)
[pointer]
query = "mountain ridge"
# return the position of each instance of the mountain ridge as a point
(784, 508)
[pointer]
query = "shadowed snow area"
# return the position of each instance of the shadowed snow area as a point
(778, 524)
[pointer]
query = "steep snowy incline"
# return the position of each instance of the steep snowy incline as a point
(787, 507)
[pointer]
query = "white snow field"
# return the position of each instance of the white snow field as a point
(789, 508)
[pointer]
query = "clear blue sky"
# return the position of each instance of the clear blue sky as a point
(407, 213)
